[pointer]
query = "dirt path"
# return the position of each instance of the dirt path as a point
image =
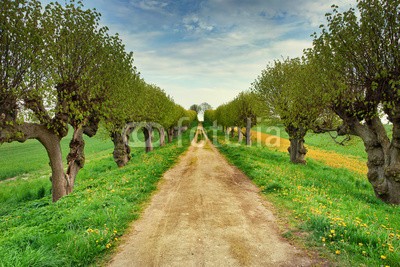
(330, 158)
(207, 213)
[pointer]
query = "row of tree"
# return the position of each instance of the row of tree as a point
(349, 81)
(61, 70)
(241, 112)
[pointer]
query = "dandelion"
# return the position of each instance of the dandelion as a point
(332, 231)
(337, 252)
(108, 245)
(360, 244)
(323, 239)
(383, 257)
(364, 252)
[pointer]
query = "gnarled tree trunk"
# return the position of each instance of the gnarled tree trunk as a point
(383, 157)
(148, 136)
(297, 149)
(75, 158)
(50, 141)
(122, 151)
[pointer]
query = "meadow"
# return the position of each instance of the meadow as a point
(332, 210)
(84, 227)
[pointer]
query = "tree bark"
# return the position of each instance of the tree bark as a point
(248, 131)
(50, 141)
(148, 134)
(75, 158)
(383, 157)
(122, 151)
(170, 134)
(297, 149)
(240, 134)
(161, 131)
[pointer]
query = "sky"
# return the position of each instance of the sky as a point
(210, 50)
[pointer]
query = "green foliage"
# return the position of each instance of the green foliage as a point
(358, 54)
(210, 116)
(290, 90)
(235, 113)
(84, 226)
(337, 207)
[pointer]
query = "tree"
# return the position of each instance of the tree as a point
(203, 107)
(248, 108)
(358, 53)
(194, 107)
(290, 91)
(55, 68)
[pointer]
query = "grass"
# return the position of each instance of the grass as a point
(336, 207)
(84, 227)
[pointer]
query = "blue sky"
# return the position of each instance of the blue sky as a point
(210, 50)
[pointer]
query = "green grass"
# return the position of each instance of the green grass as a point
(335, 206)
(84, 227)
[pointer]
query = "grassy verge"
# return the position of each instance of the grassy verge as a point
(335, 206)
(83, 227)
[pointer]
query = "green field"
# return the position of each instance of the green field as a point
(333, 210)
(83, 227)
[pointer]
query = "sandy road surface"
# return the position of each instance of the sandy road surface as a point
(207, 213)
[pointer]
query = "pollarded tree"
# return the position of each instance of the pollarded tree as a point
(54, 67)
(290, 91)
(358, 52)
(247, 107)
(225, 115)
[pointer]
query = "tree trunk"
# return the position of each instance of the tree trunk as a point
(59, 179)
(248, 131)
(162, 136)
(383, 157)
(297, 149)
(122, 152)
(51, 142)
(148, 133)
(240, 134)
(75, 158)
(170, 134)
(232, 132)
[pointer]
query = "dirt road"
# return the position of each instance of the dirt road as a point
(207, 213)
